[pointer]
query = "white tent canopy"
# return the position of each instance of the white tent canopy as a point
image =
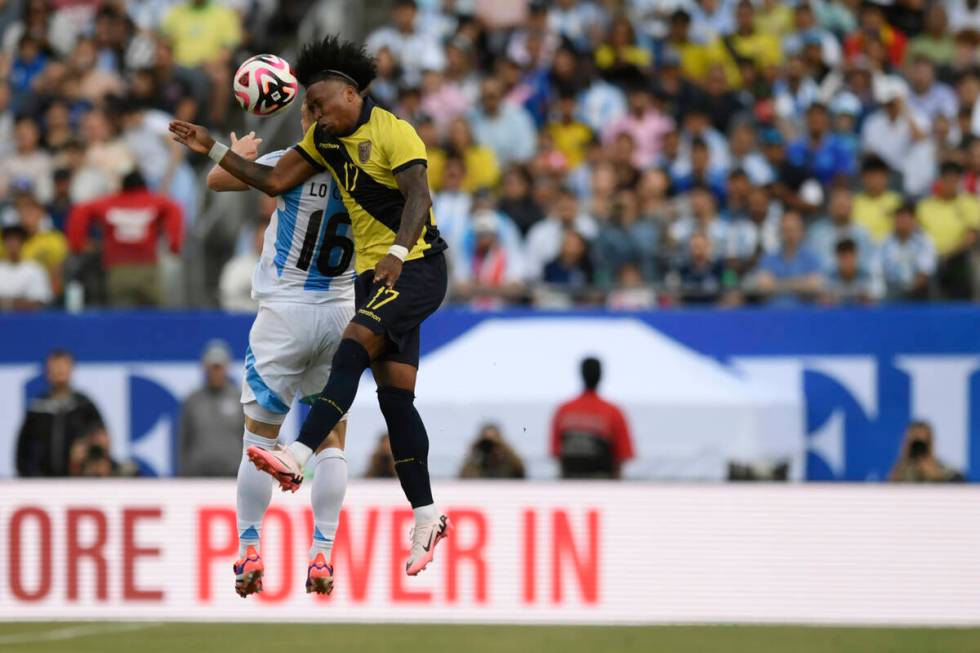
(689, 414)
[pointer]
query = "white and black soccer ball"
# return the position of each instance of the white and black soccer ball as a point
(265, 85)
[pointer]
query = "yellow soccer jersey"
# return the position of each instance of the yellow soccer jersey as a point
(364, 164)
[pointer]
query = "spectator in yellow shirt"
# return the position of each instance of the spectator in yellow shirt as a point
(204, 34)
(951, 218)
(875, 205)
(482, 169)
(619, 55)
(749, 42)
(697, 59)
(44, 245)
(570, 136)
(774, 17)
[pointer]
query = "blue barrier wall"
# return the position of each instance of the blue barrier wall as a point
(864, 373)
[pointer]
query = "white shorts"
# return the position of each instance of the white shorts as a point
(290, 349)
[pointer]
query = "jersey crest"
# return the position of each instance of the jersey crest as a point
(364, 151)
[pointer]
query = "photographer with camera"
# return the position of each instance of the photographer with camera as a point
(89, 458)
(491, 457)
(917, 462)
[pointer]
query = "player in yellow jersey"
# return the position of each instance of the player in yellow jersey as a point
(379, 163)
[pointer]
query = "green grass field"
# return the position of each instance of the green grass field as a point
(103, 637)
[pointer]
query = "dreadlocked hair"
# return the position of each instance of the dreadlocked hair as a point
(316, 59)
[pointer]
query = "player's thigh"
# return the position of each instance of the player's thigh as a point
(331, 322)
(395, 374)
(398, 312)
(279, 352)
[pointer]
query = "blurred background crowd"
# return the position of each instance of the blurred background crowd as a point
(618, 153)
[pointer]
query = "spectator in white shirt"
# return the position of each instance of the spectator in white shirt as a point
(24, 285)
(964, 14)
(806, 25)
(848, 282)
(746, 156)
(577, 21)
(711, 19)
(536, 23)
(601, 105)
(697, 125)
(928, 96)
(6, 123)
(545, 238)
(794, 93)
(907, 259)
(921, 167)
(824, 234)
(891, 131)
(702, 218)
(413, 49)
(159, 157)
(755, 235)
(29, 161)
(452, 205)
(506, 129)
(235, 286)
(489, 272)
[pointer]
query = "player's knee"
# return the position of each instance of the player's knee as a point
(261, 421)
(396, 403)
(351, 355)
(374, 343)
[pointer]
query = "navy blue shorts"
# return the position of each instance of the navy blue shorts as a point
(398, 313)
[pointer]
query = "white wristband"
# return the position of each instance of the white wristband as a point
(218, 152)
(399, 252)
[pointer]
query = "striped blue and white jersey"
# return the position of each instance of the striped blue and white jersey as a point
(308, 254)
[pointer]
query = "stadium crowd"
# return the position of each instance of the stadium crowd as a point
(629, 153)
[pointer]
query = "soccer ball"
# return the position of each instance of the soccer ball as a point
(265, 85)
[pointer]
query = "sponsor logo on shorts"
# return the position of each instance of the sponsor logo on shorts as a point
(369, 314)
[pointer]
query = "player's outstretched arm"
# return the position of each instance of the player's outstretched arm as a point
(290, 171)
(247, 147)
(414, 185)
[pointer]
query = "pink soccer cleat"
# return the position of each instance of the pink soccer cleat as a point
(248, 573)
(424, 541)
(319, 576)
(280, 464)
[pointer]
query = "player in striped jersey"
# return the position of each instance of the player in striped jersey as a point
(304, 283)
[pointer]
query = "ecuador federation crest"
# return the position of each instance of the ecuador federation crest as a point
(364, 151)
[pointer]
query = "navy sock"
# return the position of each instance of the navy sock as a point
(409, 443)
(349, 363)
